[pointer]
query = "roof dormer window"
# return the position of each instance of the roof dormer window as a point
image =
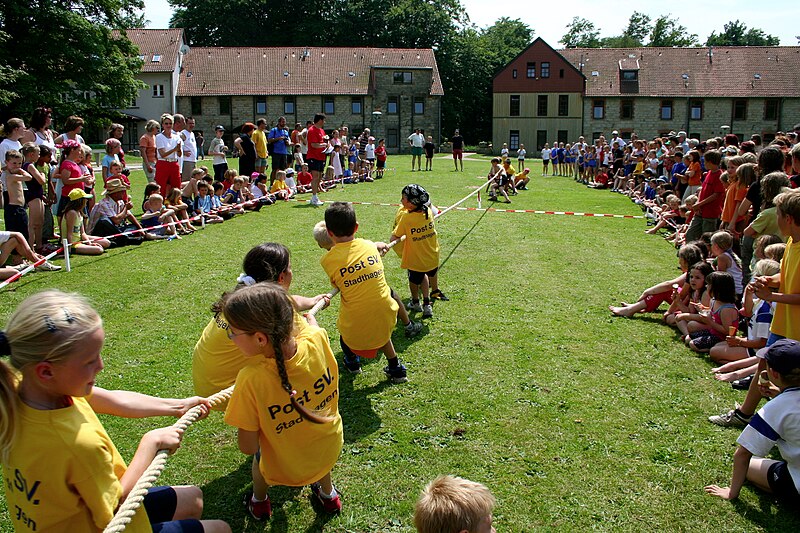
(156, 58)
(629, 75)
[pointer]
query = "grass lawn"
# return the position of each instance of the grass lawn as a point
(523, 381)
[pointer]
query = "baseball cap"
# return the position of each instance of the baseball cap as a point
(219, 127)
(290, 172)
(783, 356)
(77, 194)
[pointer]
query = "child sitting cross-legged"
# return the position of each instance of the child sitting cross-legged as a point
(279, 187)
(175, 202)
(717, 318)
(204, 204)
(162, 220)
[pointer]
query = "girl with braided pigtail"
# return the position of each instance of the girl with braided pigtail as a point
(286, 402)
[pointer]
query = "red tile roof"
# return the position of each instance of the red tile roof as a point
(164, 43)
(732, 71)
(290, 71)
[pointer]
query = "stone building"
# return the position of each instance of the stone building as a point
(652, 91)
(389, 90)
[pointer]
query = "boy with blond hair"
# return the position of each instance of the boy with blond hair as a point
(452, 504)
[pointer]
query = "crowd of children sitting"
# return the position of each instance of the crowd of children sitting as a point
(738, 296)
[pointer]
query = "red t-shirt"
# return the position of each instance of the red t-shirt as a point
(380, 153)
(712, 184)
(602, 178)
(315, 135)
(304, 178)
(74, 172)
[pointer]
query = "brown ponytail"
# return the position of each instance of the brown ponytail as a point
(267, 308)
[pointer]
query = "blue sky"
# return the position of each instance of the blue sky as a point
(610, 16)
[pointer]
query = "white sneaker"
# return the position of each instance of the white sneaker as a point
(47, 266)
(316, 201)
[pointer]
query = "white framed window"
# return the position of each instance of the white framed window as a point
(158, 91)
(156, 58)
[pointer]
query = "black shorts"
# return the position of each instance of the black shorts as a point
(160, 504)
(280, 161)
(316, 165)
(16, 219)
(417, 277)
(781, 482)
(381, 164)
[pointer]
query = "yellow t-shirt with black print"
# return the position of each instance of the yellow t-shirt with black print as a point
(421, 247)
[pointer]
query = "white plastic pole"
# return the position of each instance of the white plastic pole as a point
(65, 244)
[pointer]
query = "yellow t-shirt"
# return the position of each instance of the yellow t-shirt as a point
(368, 313)
(217, 360)
(260, 140)
(398, 248)
(510, 171)
(63, 473)
(639, 167)
(294, 451)
(786, 320)
(278, 185)
(421, 247)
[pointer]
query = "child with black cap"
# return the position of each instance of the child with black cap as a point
(420, 249)
(776, 424)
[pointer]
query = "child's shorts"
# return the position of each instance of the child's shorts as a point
(381, 164)
(160, 504)
(417, 277)
(704, 340)
(781, 482)
(4, 236)
(545, 161)
(16, 219)
(351, 353)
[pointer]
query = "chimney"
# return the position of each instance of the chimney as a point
(711, 55)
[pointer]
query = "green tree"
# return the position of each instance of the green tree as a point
(736, 34)
(66, 55)
(639, 27)
(667, 32)
(581, 33)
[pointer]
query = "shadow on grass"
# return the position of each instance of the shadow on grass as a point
(355, 404)
(770, 514)
(446, 259)
(222, 503)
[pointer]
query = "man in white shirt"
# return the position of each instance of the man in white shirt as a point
(416, 141)
(616, 138)
(189, 149)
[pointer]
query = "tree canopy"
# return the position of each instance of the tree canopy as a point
(66, 55)
(735, 33)
(581, 33)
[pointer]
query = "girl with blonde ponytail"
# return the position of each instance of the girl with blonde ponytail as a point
(68, 475)
(286, 402)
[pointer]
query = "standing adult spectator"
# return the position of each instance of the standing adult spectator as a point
(39, 132)
(756, 139)
(147, 148)
(260, 140)
(616, 138)
(117, 131)
(295, 135)
(279, 139)
(303, 138)
(458, 150)
(344, 133)
(317, 143)
(217, 151)
(177, 127)
(72, 130)
(416, 141)
(189, 142)
(682, 142)
(200, 142)
(363, 141)
(247, 150)
(168, 146)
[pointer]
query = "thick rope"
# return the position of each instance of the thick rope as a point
(127, 510)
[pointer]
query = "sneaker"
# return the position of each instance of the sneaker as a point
(731, 419)
(47, 266)
(414, 306)
(20, 267)
(396, 374)
(316, 201)
(439, 295)
(331, 505)
(427, 311)
(413, 329)
(353, 365)
(259, 510)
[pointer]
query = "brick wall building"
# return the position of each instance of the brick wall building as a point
(652, 91)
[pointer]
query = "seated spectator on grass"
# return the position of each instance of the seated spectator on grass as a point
(204, 204)
(110, 215)
(718, 317)
(224, 210)
(775, 251)
(14, 243)
(654, 296)
(452, 504)
(149, 190)
(74, 227)
(691, 301)
(668, 216)
(726, 260)
(776, 424)
(162, 220)
(181, 209)
(279, 187)
(760, 314)
(601, 179)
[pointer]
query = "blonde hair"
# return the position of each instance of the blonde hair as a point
(723, 239)
(775, 251)
(450, 504)
(167, 116)
(766, 267)
(152, 125)
(690, 200)
(320, 233)
(266, 308)
(230, 174)
(29, 148)
(788, 203)
(48, 326)
(10, 125)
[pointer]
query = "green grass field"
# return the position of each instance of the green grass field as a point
(523, 381)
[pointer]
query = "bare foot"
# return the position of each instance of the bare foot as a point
(727, 376)
(650, 231)
(620, 311)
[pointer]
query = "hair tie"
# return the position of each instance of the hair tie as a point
(5, 346)
(245, 280)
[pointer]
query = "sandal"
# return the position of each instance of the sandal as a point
(439, 295)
